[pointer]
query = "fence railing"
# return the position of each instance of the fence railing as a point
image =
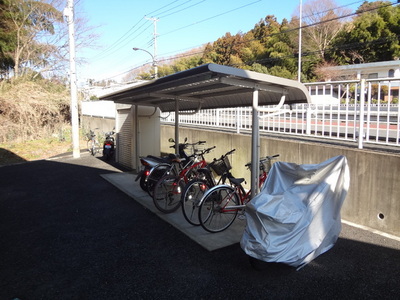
(364, 111)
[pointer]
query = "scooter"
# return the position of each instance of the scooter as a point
(148, 162)
(108, 145)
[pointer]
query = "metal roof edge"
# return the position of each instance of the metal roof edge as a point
(270, 79)
(220, 70)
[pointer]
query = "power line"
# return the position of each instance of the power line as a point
(209, 18)
(154, 11)
(129, 33)
(336, 8)
(282, 32)
(185, 8)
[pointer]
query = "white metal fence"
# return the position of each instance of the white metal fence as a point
(343, 110)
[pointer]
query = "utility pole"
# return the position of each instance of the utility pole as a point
(300, 24)
(69, 14)
(154, 20)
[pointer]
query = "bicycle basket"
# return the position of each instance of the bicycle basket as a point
(220, 166)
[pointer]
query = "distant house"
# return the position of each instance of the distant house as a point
(384, 72)
(375, 70)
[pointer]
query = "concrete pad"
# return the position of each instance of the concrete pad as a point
(210, 241)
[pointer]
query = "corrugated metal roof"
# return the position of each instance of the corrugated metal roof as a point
(212, 86)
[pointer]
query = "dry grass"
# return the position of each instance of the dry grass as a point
(11, 153)
(32, 110)
(34, 120)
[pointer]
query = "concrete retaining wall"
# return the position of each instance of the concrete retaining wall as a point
(374, 196)
(103, 124)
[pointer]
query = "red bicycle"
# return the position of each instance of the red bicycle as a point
(167, 191)
(198, 186)
(221, 204)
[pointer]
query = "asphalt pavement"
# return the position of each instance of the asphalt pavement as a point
(67, 233)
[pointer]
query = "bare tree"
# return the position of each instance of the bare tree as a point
(322, 21)
(41, 35)
(29, 19)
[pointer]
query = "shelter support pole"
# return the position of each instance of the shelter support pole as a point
(361, 119)
(176, 126)
(136, 137)
(255, 147)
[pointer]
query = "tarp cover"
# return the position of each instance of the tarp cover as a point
(296, 216)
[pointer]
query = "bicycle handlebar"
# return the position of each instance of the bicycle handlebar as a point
(228, 153)
(208, 150)
(263, 159)
(185, 145)
(202, 152)
(269, 157)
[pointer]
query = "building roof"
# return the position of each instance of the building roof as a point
(375, 65)
(211, 86)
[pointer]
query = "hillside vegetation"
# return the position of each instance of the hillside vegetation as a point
(34, 120)
(31, 110)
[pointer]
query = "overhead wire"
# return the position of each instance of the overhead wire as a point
(304, 17)
(128, 34)
(342, 47)
(283, 32)
(209, 18)
(172, 13)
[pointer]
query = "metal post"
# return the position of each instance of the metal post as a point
(255, 147)
(299, 62)
(176, 126)
(137, 142)
(308, 119)
(361, 119)
(154, 20)
(69, 13)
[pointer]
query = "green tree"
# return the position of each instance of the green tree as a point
(372, 36)
(7, 41)
(278, 48)
(225, 50)
(28, 20)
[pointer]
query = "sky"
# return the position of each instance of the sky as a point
(181, 25)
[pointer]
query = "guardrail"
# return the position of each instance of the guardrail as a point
(362, 111)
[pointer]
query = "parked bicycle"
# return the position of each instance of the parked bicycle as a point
(150, 161)
(221, 204)
(172, 165)
(167, 191)
(197, 187)
(93, 144)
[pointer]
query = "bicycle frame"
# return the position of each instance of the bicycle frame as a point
(186, 171)
(195, 164)
(244, 196)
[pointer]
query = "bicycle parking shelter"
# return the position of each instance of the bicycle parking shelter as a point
(215, 86)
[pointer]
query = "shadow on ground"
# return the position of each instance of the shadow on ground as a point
(7, 157)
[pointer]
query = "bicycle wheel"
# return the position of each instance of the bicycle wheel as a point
(167, 193)
(214, 212)
(193, 192)
(154, 176)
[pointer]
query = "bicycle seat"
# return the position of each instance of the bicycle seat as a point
(160, 159)
(174, 157)
(236, 181)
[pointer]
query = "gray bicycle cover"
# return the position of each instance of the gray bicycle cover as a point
(296, 216)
